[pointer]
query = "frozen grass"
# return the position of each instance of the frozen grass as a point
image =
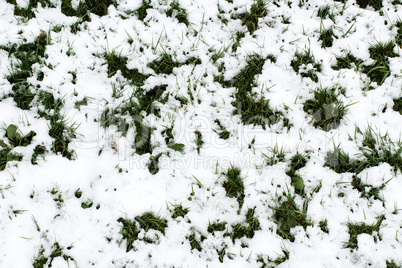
(168, 133)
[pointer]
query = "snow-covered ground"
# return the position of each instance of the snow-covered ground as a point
(101, 202)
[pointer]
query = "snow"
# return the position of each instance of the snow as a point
(92, 236)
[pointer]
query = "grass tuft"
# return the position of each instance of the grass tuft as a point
(306, 65)
(326, 36)
(346, 62)
(234, 185)
(326, 109)
(297, 162)
(248, 229)
(379, 70)
(250, 19)
(195, 241)
(374, 150)
(117, 62)
(177, 12)
(255, 111)
(355, 229)
(287, 215)
(132, 228)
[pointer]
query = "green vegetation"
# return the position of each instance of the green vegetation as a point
(376, 4)
(325, 12)
(326, 36)
(253, 110)
(398, 105)
(198, 140)
(7, 156)
(326, 109)
(306, 65)
(234, 185)
(375, 149)
(179, 211)
(247, 229)
(17, 139)
(180, 15)
(117, 62)
(141, 12)
(250, 19)
(346, 62)
(42, 261)
(287, 215)
(131, 228)
(195, 240)
(379, 70)
(276, 155)
(355, 229)
(165, 63)
(266, 262)
(297, 162)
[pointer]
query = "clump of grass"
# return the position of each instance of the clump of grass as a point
(367, 191)
(346, 62)
(22, 95)
(222, 132)
(326, 36)
(98, 7)
(198, 140)
(62, 132)
(178, 12)
(267, 262)
(340, 161)
(391, 264)
(325, 12)
(234, 185)
(27, 55)
(39, 150)
(131, 228)
(141, 12)
(324, 226)
(153, 165)
(276, 155)
(195, 241)
(253, 111)
(142, 138)
(287, 215)
(398, 38)
(355, 229)
(379, 70)
(250, 19)
(297, 162)
(306, 65)
(28, 12)
(376, 4)
(150, 221)
(117, 62)
(129, 231)
(326, 109)
(164, 64)
(80, 103)
(57, 251)
(375, 149)
(248, 229)
(179, 211)
(237, 39)
(216, 227)
(398, 105)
